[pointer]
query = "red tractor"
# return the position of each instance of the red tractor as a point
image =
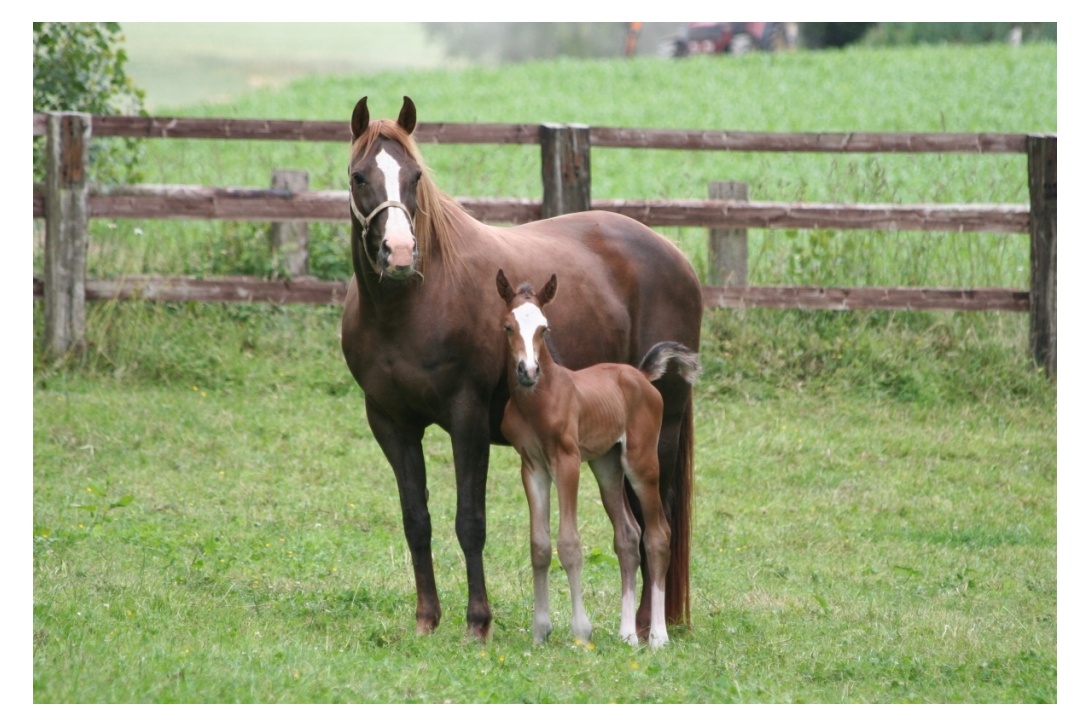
(735, 38)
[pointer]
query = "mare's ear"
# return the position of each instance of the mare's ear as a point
(504, 287)
(548, 292)
(360, 118)
(407, 118)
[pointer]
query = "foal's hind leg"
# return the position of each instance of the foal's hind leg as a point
(640, 462)
(626, 535)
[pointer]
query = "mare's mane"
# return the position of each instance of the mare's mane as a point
(434, 223)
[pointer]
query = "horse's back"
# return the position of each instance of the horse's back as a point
(612, 398)
(649, 280)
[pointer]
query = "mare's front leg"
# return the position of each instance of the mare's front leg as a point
(401, 443)
(536, 483)
(566, 471)
(469, 437)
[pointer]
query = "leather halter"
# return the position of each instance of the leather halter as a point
(365, 222)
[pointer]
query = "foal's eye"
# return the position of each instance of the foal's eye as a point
(359, 179)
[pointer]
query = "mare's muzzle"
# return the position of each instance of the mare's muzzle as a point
(397, 256)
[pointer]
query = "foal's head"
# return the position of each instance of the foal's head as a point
(524, 324)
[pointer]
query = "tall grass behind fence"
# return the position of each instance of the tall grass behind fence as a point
(981, 89)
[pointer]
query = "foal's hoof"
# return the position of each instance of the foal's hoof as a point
(542, 631)
(657, 641)
(630, 639)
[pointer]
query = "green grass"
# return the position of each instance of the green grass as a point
(965, 89)
(178, 64)
(846, 548)
(876, 514)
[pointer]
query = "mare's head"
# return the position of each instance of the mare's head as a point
(385, 190)
(525, 325)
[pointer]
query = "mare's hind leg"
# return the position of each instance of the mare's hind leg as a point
(535, 481)
(641, 464)
(566, 470)
(626, 535)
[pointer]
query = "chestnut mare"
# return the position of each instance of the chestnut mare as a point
(608, 415)
(420, 338)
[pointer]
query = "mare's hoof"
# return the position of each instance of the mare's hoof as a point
(479, 632)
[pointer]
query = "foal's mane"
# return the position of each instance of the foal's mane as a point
(434, 224)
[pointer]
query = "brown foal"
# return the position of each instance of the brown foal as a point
(607, 415)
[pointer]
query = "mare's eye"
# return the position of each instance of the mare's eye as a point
(359, 179)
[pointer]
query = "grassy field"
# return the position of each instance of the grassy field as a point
(178, 64)
(876, 513)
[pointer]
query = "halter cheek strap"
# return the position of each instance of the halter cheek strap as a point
(365, 223)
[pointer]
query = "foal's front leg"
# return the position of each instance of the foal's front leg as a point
(566, 469)
(536, 482)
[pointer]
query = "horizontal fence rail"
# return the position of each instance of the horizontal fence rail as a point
(563, 147)
(179, 202)
(308, 290)
(605, 136)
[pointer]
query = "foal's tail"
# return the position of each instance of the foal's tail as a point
(677, 500)
(657, 361)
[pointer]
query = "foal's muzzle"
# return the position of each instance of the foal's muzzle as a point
(526, 376)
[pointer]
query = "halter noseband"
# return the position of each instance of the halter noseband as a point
(365, 223)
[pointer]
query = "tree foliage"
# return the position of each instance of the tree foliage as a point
(509, 42)
(81, 67)
(934, 33)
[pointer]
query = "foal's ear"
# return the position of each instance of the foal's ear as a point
(548, 292)
(360, 118)
(407, 118)
(504, 287)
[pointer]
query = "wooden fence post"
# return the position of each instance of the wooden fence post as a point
(728, 247)
(565, 169)
(68, 137)
(288, 241)
(1041, 153)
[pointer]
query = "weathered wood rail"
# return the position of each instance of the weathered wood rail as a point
(69, 199)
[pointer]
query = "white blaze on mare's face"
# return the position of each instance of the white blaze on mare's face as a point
(397, 221)
(529, 318)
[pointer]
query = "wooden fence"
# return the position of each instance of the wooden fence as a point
(69, 199)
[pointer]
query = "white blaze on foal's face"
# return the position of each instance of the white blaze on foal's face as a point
(399, 233)
(528, 321)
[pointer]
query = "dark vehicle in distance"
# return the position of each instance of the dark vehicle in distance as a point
(735, 38)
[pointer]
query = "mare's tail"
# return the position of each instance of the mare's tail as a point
(657, 361)
(677, 500)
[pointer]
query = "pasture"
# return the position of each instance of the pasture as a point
(875, 513)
